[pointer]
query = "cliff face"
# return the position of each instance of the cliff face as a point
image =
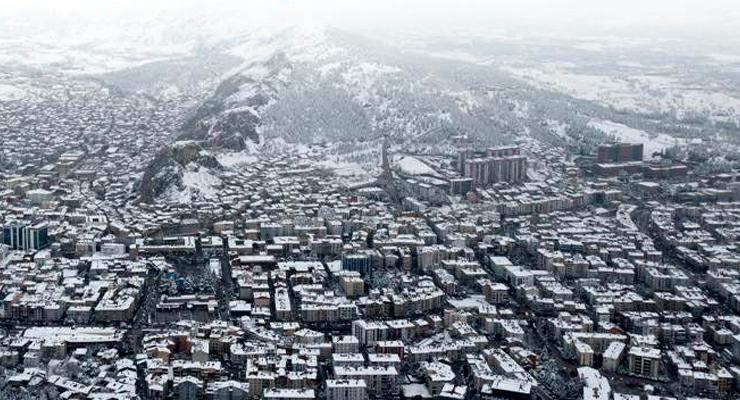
(216, 125)
(219, 123)
(165, 172)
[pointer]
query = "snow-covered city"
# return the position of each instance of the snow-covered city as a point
(349, 201)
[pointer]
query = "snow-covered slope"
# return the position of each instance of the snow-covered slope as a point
(654, 93)
(308, 85)
(653, 144)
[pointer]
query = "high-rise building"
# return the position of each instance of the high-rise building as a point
(644, 361)
(619, 153)
(346, 389)
(507, 151)
(21, 235)
(357, 262)
(462, 158)
(502, 164)
(461, 186)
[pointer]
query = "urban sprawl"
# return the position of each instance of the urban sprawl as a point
(604, 277)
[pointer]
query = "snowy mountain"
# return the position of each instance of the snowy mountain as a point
(247, 86)
(318, 86)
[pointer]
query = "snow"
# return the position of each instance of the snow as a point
(99, 55)
(344, 168)
(176, 195)
(608, 89)
(652, 143)
(363, 80)
(200, 179)
(197, 181)
(257, 71)
(184, 143)
(72, 334)
(353, 165)
(593, 47)
(521, 109)
(595, 386)
(171, 92)
(558, 128)
(301, 43)
(466, 101)
(245, 92)
(11, 93)
(454, 55)
(536, 175)
(163, 34)
(442, 116)
(237, 110)
(724, 58)
(327, 69)
(412, 390)
(630, 64)
(471, 302)
(653, 91)
(214, 265)
(236, 159)
(413, 166)
(279, 145)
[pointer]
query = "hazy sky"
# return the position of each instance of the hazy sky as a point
(563, 12)
(713, 18)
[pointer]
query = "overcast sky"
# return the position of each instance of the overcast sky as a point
(712, 19)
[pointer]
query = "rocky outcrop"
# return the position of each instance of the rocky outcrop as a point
(166, 170)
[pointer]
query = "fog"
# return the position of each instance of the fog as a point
(714, 21)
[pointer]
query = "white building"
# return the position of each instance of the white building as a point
(346, 389)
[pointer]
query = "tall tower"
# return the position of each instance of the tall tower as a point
(386, 162)
(386, 176)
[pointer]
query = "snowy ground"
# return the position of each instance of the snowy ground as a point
(345, 168)
(350, 173)
(642, 92)
(198, 182)
(613, 91)
(558, 128)
(11, 93)
(413, 390)
(201, 179)
(413, 166)
(652, 143)
(236, 159)
(470, 302)
(362, 80)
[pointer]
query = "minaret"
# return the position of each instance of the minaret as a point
(386, 176)
(386, 162)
